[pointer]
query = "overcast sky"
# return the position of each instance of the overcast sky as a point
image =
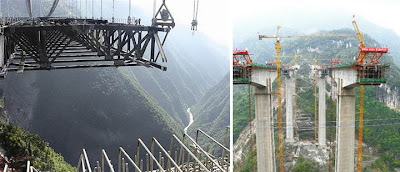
(384, 13)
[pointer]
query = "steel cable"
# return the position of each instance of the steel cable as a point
(53, 8)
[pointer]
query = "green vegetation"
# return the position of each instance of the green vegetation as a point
(22, 146)
(381, 131)
(161, 116)
(305, 165)
(380, 164)
(241, 109)
(211, 114)
(251, 162)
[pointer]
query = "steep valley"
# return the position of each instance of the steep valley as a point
(106, 108)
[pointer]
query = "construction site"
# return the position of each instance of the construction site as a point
(43, 42)
(277, 122)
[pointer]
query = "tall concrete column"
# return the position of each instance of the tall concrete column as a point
(321, 112)
(345, 130)
(1, 49)
(289, 108)
(264, 130)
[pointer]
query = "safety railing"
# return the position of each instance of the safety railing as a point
(197, 164)
(170, 160)
(84, 162)
(30, 168)
(225, 155)
(5, 168)
(182, 156)
(209, 160)
(124, 166)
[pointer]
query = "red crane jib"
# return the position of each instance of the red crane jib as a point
(374, 49)
(240, 52)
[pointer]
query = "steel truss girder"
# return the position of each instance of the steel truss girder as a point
(58, 44)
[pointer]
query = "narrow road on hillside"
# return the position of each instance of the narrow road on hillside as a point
(190, 120)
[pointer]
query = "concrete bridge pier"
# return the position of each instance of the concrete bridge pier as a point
(289, 108)
(262, 78)
(348, 77)
(264, 130)
(345, 130)
(346, 80)
(2, 48)
(321, 111)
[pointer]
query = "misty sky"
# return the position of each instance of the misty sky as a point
(312, 14)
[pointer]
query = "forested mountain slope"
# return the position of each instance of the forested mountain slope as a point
(212, 112)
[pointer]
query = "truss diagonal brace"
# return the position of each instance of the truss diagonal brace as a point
(160, 47)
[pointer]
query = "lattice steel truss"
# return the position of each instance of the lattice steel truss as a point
(59, 43)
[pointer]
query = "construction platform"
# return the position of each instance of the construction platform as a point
(355, 74)
(252, 74)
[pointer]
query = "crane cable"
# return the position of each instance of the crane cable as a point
(29, 7)
(53, 8)
(195, 12)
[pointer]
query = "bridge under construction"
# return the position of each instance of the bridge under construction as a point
(46, 43)
(345, 77)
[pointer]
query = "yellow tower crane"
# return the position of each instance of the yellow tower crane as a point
(360, 59)
(278, 67)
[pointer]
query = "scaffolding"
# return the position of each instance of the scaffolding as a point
(242, 73)
(371, 74)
